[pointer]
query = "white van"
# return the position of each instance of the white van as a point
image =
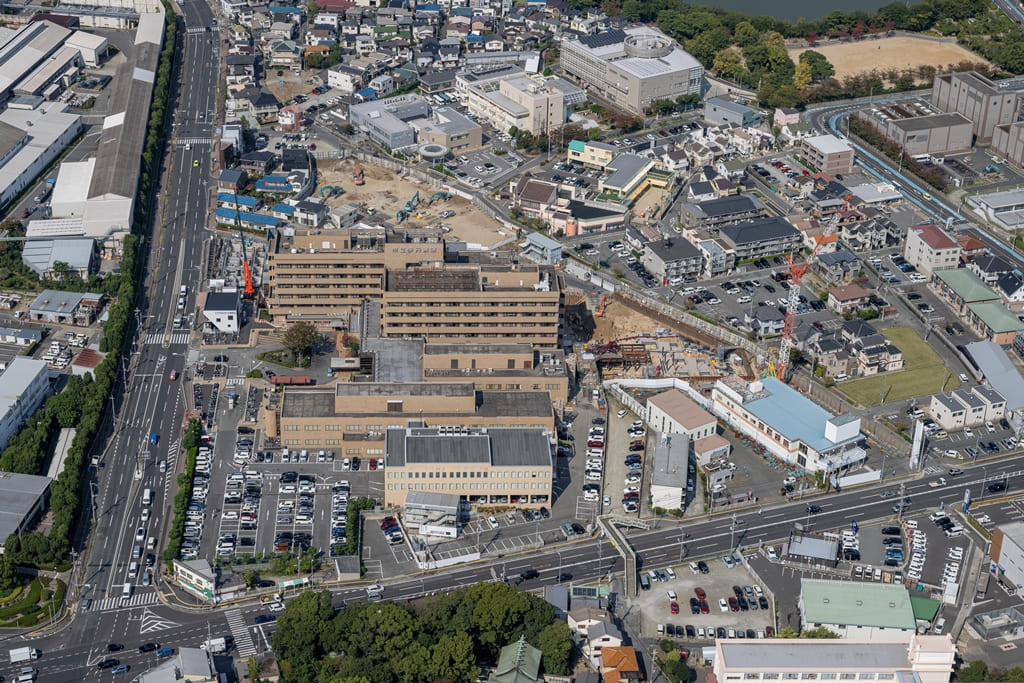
(133, 570)
(147, 497)
(126, 591)
(940, 626)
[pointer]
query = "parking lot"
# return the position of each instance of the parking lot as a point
(721, 615)
(481, 167)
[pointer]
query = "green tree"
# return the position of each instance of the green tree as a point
(300, 338)
(1015, 675)
(820, 67)
(746, 34)
(452, 659)
(975, 672)
(594, 133)
(297, 639)
(555, 644)
(819, 632)
(8, 577)
(787, 632)
(729, 64)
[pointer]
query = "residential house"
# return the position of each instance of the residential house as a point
(839, 266)
(764, 320)
(260, 162)
(716, 258)
(601, 635)
(994, 322)
(620, 665)
(232, 180)
(582, 619)
(1010, 289)
(241, 69)
(990, 268)
(344, 78)
(875, 233)
(847, 299)
(832, 357)
(948, 412)
(876, 358)
(284, 53)
(290, 117)
(311, 213)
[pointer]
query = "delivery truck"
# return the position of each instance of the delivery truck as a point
(24, 654)
(215, 646)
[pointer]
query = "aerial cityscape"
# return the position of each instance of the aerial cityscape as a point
(494, 341)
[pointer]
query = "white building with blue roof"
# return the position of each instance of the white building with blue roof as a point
(789, 425)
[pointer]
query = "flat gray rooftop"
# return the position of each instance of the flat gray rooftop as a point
(18, 495)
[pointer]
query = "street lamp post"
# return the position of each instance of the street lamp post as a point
(984, 476)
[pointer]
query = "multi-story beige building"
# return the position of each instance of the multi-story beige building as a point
(320, 275)
(976, 97)
(828, 154)
(499, 367)
(473, 304)
(495, 466)
(632, 68)
(930, 249)
(524, 102)
(325, 276)
(350, 418)
(591, 154)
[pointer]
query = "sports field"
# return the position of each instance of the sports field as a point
(884, 54)
(924, 372)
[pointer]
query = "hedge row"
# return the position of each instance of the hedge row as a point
(25, 605)
(84, 402)
(174, 535)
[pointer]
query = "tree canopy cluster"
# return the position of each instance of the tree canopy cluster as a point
(448, 638)
(751, 50)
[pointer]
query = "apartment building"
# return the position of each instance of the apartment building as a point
(977, 98)
(828, 154)
(930, 249)
(591, 154)
(470, 303)
(495, 466)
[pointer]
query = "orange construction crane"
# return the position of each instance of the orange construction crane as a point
(358, 177)
(796, 276)
(250, 291)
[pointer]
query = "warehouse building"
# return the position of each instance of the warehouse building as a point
(719, 111)
(935, 135)
(31, 138)
(495, 466)
(980, 100)
(632, 68)
(1008, 140)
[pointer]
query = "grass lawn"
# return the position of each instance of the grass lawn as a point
(923, 373)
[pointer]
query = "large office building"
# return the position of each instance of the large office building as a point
(977, 98)
(789, 425)
(921, 659)
(632, 68)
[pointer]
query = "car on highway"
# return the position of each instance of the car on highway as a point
(264, 618)
(195, 163)
(121, 669)
(164, 652)
(108, 663)
(148, 647)
(996, 487)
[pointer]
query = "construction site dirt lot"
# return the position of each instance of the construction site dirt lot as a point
(884, 54)
(387, 193)
(619, 322)
(288, 85)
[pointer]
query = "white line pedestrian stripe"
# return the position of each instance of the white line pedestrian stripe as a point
(233, 381)
(154, 338)
(137, 600)
(151, 621)
(240, 631)
(181, 142)
(181, 338)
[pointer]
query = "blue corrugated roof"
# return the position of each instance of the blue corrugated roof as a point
(793, 415)
(223, 212)
(367, 92)
(240, 199)
(275, 179)
(259, 218)
(284, 208)
(473, 38)
(284, 9)
(430, 7)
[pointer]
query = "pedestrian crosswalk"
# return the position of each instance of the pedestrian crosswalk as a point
(197, 29)
(240, 632)
(180, 338)
(234, 381)
(181, 142)
(137, 600)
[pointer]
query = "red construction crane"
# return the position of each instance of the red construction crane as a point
(796, 276)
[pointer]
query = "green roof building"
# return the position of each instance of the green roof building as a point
(961, 287)
(518, 662)
(994, 322)
(866, 611)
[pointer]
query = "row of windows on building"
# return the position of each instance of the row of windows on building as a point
(289, 443)
(469, 304)
(471, 474)
(821, 676)
(456, 486)
(355, 427)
